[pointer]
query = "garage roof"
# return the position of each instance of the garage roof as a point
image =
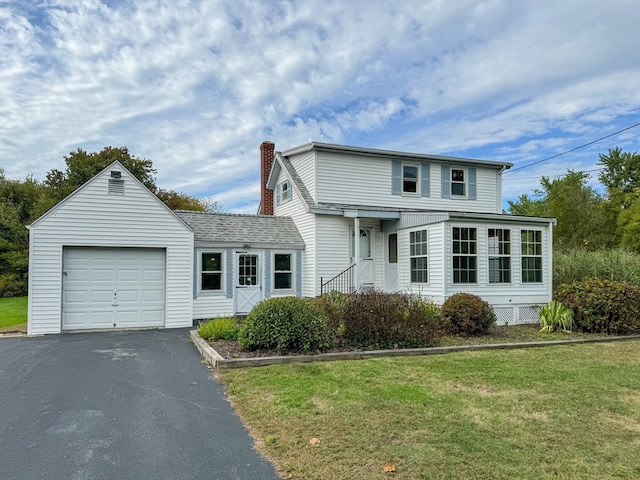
(242, 230)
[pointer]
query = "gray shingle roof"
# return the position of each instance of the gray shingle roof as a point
(255, 230)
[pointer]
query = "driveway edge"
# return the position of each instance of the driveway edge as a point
(218, 361)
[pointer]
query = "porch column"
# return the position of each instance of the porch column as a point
(356, 251)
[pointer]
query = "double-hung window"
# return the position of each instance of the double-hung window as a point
(458, 182)
(499, 244)
(283, 192)
(418, 256)
(410, 178)
(211, 271)
(531, 251)
(282, 271)
(465, 255)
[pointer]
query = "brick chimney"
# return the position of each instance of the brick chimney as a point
(267, 155)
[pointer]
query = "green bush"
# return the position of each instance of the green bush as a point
(223, 328)
(11, 285)
(387, 320)
(555, 316)
(466, 314)
(331, 305)
(287, 324)
(602, 306)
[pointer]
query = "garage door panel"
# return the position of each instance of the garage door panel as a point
(113, 288)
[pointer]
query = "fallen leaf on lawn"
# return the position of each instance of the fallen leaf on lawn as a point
(314, 441)
(388, 468)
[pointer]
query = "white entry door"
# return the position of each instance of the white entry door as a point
(365, 262)
(248, 287)
(113, 288)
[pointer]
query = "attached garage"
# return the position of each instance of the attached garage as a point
(112, 287)
(110, 256)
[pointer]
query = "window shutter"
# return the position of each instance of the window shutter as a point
(425, 180)
(471, 174)
(229, 267)
(396, 177)
(267, 273)
(298, 273)
(446, 181)
(196, 272)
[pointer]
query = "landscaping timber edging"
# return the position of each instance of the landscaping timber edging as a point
(218, 361)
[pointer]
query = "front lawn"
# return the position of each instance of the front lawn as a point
(13, 313)
(554, 412)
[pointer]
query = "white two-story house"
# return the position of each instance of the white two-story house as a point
(397, 221)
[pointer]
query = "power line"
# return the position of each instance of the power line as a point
(557, 174)
(573, 149)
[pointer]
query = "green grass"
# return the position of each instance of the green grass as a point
(13, 312)
(561, 412)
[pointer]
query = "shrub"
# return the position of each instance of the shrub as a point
(603, 306)
(466, 314)
(331, 305)
(387, 320)
(223, 328)
(287, 324)
(11, 285)
(555, 316)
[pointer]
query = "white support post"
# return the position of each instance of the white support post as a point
(356, 251)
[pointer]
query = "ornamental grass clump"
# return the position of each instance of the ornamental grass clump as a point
(222, 328)
(286, 325)
(555, 316)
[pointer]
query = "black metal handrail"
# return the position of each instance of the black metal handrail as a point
(343, 282)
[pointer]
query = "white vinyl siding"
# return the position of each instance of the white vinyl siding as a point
(362, 180)
(93, 218)
(305, 223)
(305, 166)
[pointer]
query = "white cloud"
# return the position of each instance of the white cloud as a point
(196, 85)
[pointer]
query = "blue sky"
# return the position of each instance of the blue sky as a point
(196, 86)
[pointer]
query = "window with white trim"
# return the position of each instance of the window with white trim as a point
(465, 255)
(282, 271)
(531, 252)
(410, 175)
(418, 256)
(458, 182)
(499, 245)
(211, 271)
(283, 192)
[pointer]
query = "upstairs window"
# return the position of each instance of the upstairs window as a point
(211, 266)
(458, 182)
(410, 179)
(531, 256)
(465, 255)
(283, 193)
(499, 244)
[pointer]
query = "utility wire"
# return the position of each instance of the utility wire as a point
(573, 149)
(556, 175)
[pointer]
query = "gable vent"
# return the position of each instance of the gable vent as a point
(116, 186)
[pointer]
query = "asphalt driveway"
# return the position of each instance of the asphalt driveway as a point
(116, 405)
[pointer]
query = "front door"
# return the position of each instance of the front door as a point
(365, 262)
(248, 287)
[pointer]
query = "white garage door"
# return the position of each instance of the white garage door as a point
(112, 288)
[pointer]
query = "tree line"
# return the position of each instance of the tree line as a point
(24, 201)
(587, 219)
